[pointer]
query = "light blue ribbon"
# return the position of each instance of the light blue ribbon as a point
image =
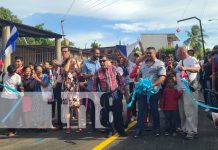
(16, 104)
(143, 86)
(184, 81)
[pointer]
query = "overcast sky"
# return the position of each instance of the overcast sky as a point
(108, 21)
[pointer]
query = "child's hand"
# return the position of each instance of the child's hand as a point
(180, 93)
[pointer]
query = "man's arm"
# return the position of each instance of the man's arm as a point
(189, 69)
(141, 58)
(85, 72)
(159, 81)
(141, 47)
(120, 82)
(94, 87)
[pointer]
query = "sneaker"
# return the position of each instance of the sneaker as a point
(110, 134)
(189, 136)
(178, 129)
(157, 133)
(148, 127)
(123, 134)
(133, 118)
(166, 133)
(207, 110)
(183, 133)
(137, 134)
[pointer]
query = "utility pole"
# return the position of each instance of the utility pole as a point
(202, 36)
(62, 27)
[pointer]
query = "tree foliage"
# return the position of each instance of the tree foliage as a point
(36, 41)
(137, 50)
(194, 40)
(168, 50)
(6, 14)
(95, 45)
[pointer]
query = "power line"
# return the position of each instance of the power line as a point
(69, 9)
(109, 4)
(98, 4)
(95, 2)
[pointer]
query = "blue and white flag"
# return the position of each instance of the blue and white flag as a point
(11, 45)
(127, 50)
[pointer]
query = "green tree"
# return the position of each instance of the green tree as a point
(194, 40)
(36, 41)
(70, 43)
(168, 50)
(95, 45)
(6, 14)
(137, 50)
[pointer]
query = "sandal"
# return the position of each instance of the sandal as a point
(12, 134)
(78, 130)
(68, 130)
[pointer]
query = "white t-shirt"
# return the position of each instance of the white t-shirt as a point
(12, 82)
(188, 62)
(120, 70)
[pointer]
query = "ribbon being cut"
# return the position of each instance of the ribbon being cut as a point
(185, 82)
(143, 86)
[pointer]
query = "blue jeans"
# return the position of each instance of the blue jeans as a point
(143, 106)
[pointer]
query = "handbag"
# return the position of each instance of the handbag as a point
(193, 85)
(47, 94)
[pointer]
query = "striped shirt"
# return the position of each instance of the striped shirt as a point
(107, 80)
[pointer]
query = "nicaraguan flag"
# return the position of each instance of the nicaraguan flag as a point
(11, 45)
(127, 50)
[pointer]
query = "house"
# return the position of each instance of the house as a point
(40, 53)
(158, 40)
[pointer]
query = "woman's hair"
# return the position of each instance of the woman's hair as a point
(35, 68)
(25, 67)
(11, 69)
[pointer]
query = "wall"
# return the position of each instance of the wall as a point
(155, 40)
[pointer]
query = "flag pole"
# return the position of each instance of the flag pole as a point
(5, 37)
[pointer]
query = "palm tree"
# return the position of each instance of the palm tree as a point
(95, 45)
(194, 37)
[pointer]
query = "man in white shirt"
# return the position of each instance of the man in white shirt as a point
(188, 109)
(9, 98)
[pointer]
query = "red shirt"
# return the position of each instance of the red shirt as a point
(134, 74)
(20, 71)
(169, 99)
(107, 80)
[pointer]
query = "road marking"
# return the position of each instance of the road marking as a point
(106, 142)
(39, 139)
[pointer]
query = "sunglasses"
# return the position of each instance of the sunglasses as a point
(102, 61)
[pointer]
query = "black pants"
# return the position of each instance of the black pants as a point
(57, 97)
(116, 109)
(170, 120)
(131, 88)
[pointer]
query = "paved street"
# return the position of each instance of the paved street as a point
(57, 140)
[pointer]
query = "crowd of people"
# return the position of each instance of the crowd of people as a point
(51, 90)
